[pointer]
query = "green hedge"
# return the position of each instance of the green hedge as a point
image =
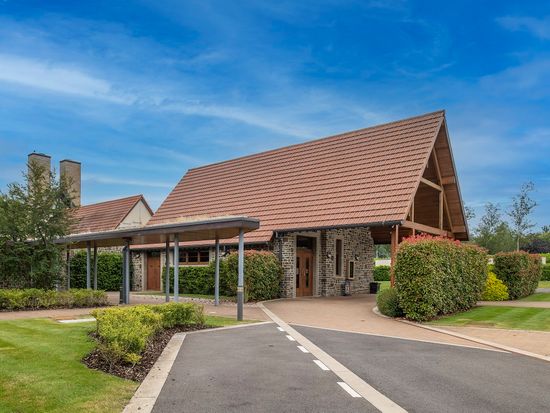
(520, 271)
(263, 276)
(36, 299)
(436, 276)
(193, 280)
(387, 302)
(381, 273)
(109, 270)
(124, 332)
(545, 272)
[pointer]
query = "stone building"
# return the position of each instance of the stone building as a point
(324, 204)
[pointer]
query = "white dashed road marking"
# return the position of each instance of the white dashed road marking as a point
(321, 365)
(303, 349)
(350, 391)
(290, 338)
(280, 329)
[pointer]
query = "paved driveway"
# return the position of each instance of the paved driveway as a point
(251, 369)
(426, 377)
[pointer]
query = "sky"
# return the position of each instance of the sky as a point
(141, 91)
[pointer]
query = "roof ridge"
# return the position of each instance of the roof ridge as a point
(441, 111)
(113, 200)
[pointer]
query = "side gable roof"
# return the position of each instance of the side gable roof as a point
(368, 176)
(105, 216)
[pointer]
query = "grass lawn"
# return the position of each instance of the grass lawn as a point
(207, 296)
(544, 284)
(537, 297)
(40, 369)
(501, 317)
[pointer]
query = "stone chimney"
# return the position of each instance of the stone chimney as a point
(42, 160)
(70, 170)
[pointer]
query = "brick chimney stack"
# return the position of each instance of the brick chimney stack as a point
(42, 160)
(71, 171)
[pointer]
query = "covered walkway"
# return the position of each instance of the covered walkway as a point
(170, 233)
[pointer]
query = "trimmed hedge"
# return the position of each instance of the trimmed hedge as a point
(109, 270)
(519, 271)
(545, 273)
(263, 276)
(124, 332)
(381, 273)
(436, 276)
(36, 299)
(193, 280)
(387, 302)
(495, 289)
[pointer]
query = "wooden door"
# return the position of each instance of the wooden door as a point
(304, 272)
(153, 271)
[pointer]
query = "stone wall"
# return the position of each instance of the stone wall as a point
(284, 248)
(137, 259)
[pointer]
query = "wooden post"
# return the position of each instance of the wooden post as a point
(441, 210)
(394, 243)
(412, 218)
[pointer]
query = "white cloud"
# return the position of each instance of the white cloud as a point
(537, 27)
(56, 78)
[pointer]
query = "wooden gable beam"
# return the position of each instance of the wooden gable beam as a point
(447, 180)
(430, 183)
(426, 228)
(438, 171)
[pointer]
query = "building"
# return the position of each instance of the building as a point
(324, 204)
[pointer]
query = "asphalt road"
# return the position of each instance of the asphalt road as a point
(251, 369)
(424, 377)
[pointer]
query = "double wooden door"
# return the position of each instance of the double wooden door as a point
(304, 272)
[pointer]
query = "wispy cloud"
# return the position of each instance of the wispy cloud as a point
(537, 27)
(122, 181)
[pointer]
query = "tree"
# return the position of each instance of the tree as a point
(32, 215)
(493, 233)
(522, 206)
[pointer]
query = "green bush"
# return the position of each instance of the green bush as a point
(124, 332)
(381, 273)
(388, 303)
(495, 289)
(436, 276)
(193, 280)
(263, 275)
(545, 272)
(109, 270)
(36, 299)
(519, 271)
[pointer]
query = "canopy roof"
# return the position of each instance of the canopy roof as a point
(197, 230)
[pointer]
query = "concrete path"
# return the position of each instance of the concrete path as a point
(516, 303)
(353, 314)
(252, 369)
(426, 377)
(537, 342)
(251, 311)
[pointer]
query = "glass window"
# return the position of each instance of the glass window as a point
(338, 258)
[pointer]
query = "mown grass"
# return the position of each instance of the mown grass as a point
(537, 297)
(516, 318)
(40, 369)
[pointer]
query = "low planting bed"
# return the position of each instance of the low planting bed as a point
(130, 339)
(37, 299)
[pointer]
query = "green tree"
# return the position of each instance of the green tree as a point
(32, 215)
(522, 207)
(492, 233)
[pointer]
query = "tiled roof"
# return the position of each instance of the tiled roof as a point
(104, 216)
(356, 178)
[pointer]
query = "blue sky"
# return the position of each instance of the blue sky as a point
(140, 91)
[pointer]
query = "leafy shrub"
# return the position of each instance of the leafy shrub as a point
(193, 280)
(124, 332)
(435, 276)
(388, 303)
(35, 299)
(495, 289)
(519, 271)
(263, 275)
(545, 272)
(109, 270)
(381, 273)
